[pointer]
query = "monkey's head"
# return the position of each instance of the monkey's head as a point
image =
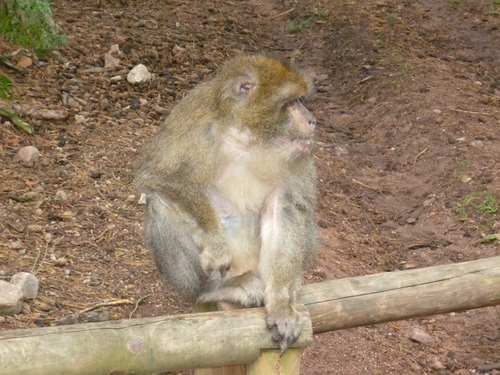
(264, 94)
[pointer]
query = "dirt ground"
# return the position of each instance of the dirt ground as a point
(408, 106)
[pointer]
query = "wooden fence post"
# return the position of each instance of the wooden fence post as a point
(269, 362)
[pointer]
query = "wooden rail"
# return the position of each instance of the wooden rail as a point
(227, 338)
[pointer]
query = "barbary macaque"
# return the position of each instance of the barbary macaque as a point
(230, 187)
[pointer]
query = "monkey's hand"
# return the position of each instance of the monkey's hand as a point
(284, 321)
(215, 257)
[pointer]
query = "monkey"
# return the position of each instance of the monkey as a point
(230, 186)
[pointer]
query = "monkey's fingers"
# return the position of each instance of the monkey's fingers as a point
(284, 331)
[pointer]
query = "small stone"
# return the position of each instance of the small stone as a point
(61, 196)
(138, 74)
(11, 299)
(116, 79)
(437, 111)
(112, 195)
(436, 365)
(477, 144)
(60, 262)
(416, 368)
(73, 103)
(35, 228)
(27, 155)
(460, 256)
(47, 114)
(24, 62)
(496, 226)
(411, 220)
(465, 179)
(110, 61)
(421, 337)
(27, 283)
(48, 237)
(79, 119)
(478, 83)
(16, 245)
(95, 174)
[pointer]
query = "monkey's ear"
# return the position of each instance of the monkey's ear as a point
(244, 86)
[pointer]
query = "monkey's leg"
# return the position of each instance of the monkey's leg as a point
(245, 290)
(177, 257)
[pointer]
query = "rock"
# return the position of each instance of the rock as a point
(111, 61)
(11, 299)
(46, 114)
(27, 283)
(16, 245)
(477, 144)
(79, 119)
(421, 337)
(436, 365)
(27, 155)
(138, 74)
(61, 196)
(24, 62)
(73, 103)
(496, 226)
(95, 174)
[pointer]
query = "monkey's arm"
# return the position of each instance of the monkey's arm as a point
(191, 204)
(288, 242)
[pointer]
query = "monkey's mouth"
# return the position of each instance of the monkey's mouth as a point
(303, 144)
(303, 140)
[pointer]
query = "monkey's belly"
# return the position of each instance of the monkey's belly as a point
(243, 237)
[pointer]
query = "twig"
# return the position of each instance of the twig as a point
(364, 185)
(281, 14)
(104, 304)
(471, 112)
(420, 154)
(137, 305)
(38, 258)
(5, 62)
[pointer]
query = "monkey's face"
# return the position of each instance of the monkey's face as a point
(263, 95)
(301, 127)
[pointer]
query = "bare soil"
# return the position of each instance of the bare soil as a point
(408, 105)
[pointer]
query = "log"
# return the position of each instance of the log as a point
(142, 346)
(236, 337)
(357, 301)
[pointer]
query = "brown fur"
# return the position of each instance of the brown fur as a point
(230, 185)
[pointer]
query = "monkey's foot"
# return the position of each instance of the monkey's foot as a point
(246, 290)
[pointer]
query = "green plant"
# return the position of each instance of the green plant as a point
(406, 70)
(305, 22)
(488, 206)
(29, 23)
(380, 40)
(392, 18)
(5, 88)
(461, 162)
(461, 211)
(298, 26)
